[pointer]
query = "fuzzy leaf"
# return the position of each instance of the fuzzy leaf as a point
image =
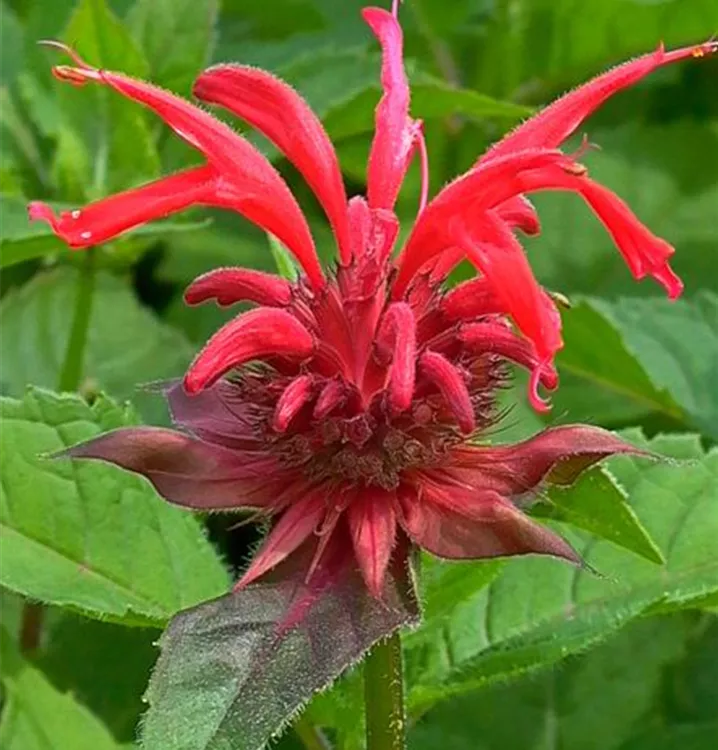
(86, 535)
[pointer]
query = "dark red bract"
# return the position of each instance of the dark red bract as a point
(347, 405)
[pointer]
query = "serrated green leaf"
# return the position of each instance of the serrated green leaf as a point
(597, 504)
(539, 611)
(38, 717)
(127, 345)
(87, 535)
(176, 36)
(655, 355)
(590, 703)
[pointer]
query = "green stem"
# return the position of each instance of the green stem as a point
(69, 380)
(384, 696)
(72, 364)
(312, 737)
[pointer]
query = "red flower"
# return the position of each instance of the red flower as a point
(345, 405)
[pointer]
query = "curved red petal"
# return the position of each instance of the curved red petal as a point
(231, 285)
(519, 213)
(490, 527)
(471, 299)
(257, 334)
(396, 133)
(282, 115)
(372, 523)
(552, 125)
(105, 219)
(332, 395)
(250, 184)
(452, 386)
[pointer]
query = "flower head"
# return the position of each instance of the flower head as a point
(345, 405)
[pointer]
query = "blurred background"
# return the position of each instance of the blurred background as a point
(478, 67)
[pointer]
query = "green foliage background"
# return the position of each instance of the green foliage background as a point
(527, 655)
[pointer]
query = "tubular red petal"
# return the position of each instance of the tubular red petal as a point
(552, 125)
(496, 338)
(372, 523)
(502, 261)
(490, 526)
(293, 398)
(105, 219)
(471, 299)
(260, 333)
(185, 471)
(399, 327)
(452, 386)
(470, 197)
(249, 184)
(279, 113)
(396, 133)
(293, 528)
(231, 285)
(333, 394)
(644, 253)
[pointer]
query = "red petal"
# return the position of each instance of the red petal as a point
(260, 333)
(491, 527)
(279, 113)
(396, 133)
(496, 338)
(231, 285)
(502, 261)
(105, 219)
(559, 455)
(438, 370)
(372, 522)
(469, 197)
(253, 187)
(399, 327)
(552, 125)
(293, 528)
(183, 470)
(293, 398)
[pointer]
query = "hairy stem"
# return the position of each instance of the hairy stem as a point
(311, 737)
(384, 696)
(69, 380)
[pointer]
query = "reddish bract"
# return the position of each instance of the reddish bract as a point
(345, 406)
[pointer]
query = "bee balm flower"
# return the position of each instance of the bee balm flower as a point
(346, 405)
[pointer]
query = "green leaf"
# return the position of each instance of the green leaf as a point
(77, 655)
(111, 130)
(684, 736)
(89, 536)
(597, 504)
(654, 355)
(38, 717)
(588, 703)
(176, 37)
(538, 611)
(127, 345)
(11, 45)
